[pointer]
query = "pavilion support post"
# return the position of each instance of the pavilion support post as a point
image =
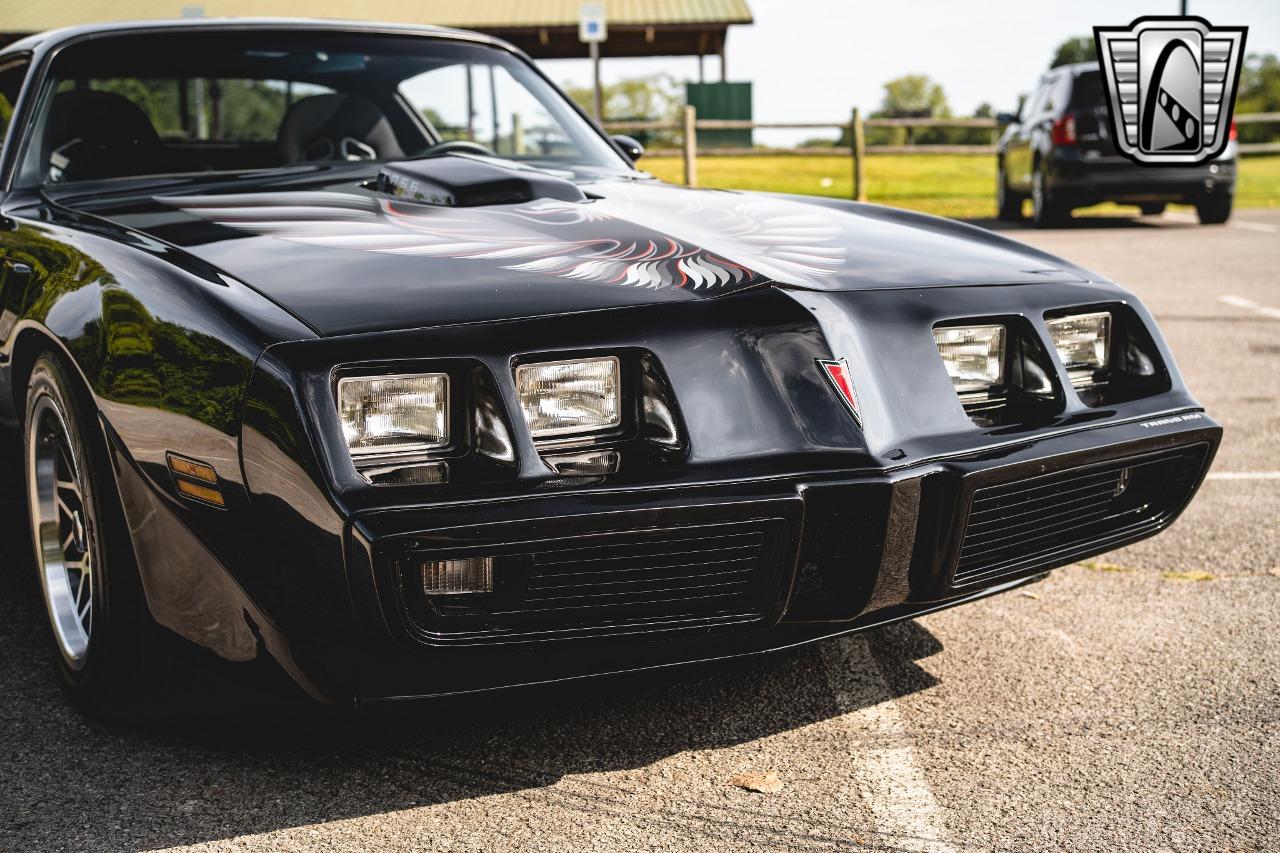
(598, 96)
(690, 146)
(858, 144)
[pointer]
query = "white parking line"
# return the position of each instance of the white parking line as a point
(1246, 225)
(885, 769)
(1249, 304)
(1244, 475)
(1240, 224)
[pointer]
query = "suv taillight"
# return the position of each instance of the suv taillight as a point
(1064, 130)
(1233, 134)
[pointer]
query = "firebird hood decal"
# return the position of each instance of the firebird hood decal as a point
(348, 261)
(727, 240)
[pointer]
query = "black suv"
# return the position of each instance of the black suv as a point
(1059, 152)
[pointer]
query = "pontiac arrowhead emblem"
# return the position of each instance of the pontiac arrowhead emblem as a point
(837, 373)
(1171, 87)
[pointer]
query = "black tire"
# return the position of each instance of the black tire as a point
(1008, 203)
(103, 675)
(1214, 209)
(1046, 211)
(1152, 208)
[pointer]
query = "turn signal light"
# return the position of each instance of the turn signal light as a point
(457, 577)
(196, 480)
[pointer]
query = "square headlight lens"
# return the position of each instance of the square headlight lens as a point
(394, 414)
(1083, 342)
(562, 398)
(973, 355)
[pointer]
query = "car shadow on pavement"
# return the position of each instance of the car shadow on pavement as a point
(70, 782)
(1080, 223)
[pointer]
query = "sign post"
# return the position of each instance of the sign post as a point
(593, 29)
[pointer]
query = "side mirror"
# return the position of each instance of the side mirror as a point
(634, 150)
(1006, 118)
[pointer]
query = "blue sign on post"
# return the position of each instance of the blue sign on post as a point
(591, 23)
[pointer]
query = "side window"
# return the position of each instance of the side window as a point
(1059, 95)
(1044, 105)
(1031, 109)
(11, 77)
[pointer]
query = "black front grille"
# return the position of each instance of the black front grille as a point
(1038, 523)
(715, 568)
(700, 576)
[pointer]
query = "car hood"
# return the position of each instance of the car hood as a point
(348, 259)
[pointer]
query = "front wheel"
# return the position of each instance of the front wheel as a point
(1008, 203)
(1045, 210)
(1214, 209)
(88, 584)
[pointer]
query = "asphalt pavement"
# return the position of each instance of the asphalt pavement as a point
(1129, 703)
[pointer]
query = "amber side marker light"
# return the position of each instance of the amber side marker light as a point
(195, 480)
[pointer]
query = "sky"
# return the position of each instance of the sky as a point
(813, 60)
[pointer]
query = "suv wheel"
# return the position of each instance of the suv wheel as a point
(1152, 208)
(1045, 211)
(1008, 203)
(1214, 209)
(88, 583)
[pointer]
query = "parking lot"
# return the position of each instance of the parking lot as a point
(1132, 702)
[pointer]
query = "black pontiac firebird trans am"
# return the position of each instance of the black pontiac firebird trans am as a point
(356, 355)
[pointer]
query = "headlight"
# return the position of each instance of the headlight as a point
(561, 398)
(973, 355)
(394, 414)
(1083, 342)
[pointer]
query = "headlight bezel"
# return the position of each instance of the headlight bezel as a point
(1027, 389)
(1136, 365)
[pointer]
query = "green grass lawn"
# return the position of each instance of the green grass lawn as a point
(961, 186)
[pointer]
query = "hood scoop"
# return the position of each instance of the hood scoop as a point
(458, 180)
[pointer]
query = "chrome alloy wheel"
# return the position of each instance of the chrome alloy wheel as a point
(62, 528)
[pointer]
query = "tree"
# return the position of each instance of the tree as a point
(1075, 49)
(913, 96)
(1259, 93)
(657, 97)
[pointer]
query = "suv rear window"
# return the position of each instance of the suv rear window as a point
(1087, 91)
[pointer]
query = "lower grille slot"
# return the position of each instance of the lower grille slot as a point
(1036, 524)
(703, 576)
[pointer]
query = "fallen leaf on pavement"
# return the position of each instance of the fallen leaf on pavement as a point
(1187, 576)
(1034, 595)
(761, 783)
(1275, 571)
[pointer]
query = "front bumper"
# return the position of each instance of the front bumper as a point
(835, 553)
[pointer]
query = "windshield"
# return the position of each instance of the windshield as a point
(178, 103)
